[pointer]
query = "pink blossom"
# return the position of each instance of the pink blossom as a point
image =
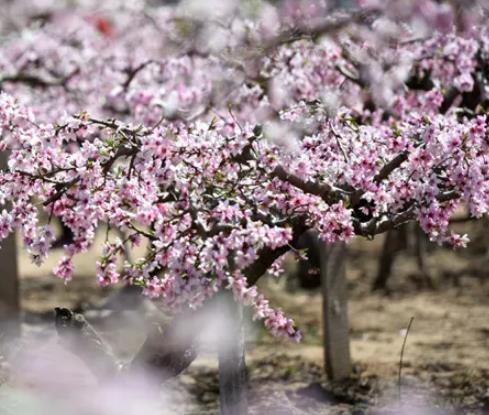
(217, 155)
(64, 269)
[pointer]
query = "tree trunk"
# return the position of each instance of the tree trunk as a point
(170, 348)
(308, 270)
(9, 290)
(335, 312)
(82, 339)
(394, 242)
(9, 285)
(231, 355)
(420, 249)
(166, 352)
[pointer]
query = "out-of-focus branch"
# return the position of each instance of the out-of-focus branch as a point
(131, 73)
(448, 99)
(329, 26)
(81, 338)
(35, 81)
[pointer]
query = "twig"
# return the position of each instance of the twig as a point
(338, 142)
(131, 73)
(401, 359)
(326, 192)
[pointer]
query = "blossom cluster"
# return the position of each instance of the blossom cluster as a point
(218, 141)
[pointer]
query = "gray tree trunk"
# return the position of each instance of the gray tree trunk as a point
(9, 284)
(335, 311)
(231, 355)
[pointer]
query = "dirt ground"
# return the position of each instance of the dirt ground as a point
(446, 361)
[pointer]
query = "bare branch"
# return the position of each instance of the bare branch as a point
(391, 166)
(330, 26)
(384, 223)
(131, 74)
(267, 256)
(38, 82)
(326, 192)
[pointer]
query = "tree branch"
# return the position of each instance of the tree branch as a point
(267, 256)
(331, 25)
(169, 348)
(326, 192)
(384, 223)
(36, 81)
(131, 74)
(388, 168)
(82, 339)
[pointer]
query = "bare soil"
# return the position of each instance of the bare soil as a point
(446, 362)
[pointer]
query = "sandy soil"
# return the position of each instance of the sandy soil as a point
(446, 363)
